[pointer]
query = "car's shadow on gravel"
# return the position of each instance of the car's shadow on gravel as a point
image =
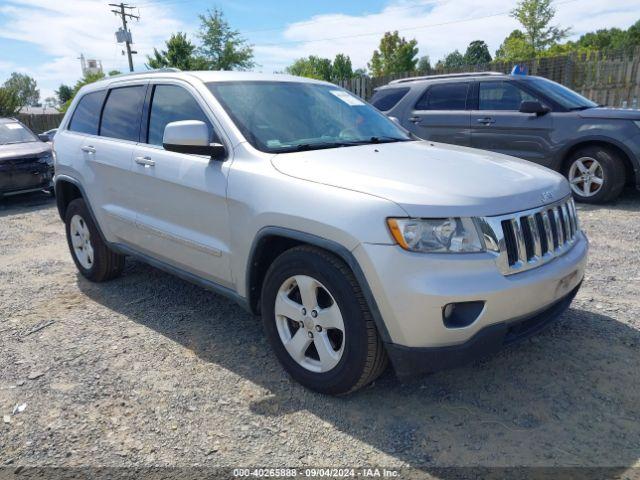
(569, 396)
(26, 202)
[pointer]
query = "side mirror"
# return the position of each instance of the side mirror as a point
(533, 106)
(44, 137)
(191, 136)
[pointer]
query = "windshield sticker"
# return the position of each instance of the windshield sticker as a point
(13, 126)
(347, 98)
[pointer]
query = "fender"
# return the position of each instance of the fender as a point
(562, 153)
(337, 249)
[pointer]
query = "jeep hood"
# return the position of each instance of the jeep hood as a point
(611, 113)
(430, 179)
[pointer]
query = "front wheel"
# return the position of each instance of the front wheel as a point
(318, 322)
(596, 175)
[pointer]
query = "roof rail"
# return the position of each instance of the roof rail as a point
(145, 72)
(446, 75)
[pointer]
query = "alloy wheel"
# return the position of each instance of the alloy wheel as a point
(81, 241)
(586, 176)
(309, 323)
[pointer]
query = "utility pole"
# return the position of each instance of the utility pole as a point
(122, 12)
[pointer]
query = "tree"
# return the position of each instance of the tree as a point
(312, 67)
(535, 17)
(453, 61)
(179, 53)
(113, 73)
(222, 47)
(341, 69)
(25, 87)
(395, 55)
(514, 47)
(9, 102)
(424, 65)
(64, 94)
(477, 53)
(51, 102)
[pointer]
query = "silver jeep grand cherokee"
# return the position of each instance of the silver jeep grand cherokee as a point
(356, 242)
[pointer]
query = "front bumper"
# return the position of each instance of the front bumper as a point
(409, 361)
(412, 289)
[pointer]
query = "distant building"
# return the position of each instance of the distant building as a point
(90, 65)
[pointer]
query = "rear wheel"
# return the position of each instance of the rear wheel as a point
(93, 258)
(596, 174)
(318, 322)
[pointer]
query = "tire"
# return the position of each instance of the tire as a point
(104, 264)
(607, 167)
(357, 355)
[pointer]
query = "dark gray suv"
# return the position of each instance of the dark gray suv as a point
(597, 148)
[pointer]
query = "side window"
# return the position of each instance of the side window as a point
(172, 103)
(86, 116)
(122, 112)
(388, 98)
(444, 96)
(501, 96)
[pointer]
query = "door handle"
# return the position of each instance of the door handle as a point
(486, 120)
(88, 149)
(414, 119)
(146, 161)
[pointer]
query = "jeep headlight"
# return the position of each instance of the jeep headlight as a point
(436, 235)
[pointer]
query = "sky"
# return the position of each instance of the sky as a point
(44, 38)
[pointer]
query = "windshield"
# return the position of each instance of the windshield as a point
(13, 132)
(562, 95)
(278, 117)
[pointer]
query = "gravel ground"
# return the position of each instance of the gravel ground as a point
(150, 370)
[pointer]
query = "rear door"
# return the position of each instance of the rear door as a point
(182, 212)
(498, 125)
(440, 114)
(110, 155)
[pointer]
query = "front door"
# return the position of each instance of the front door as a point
(182, 214)
(499, 126)
(440, 114)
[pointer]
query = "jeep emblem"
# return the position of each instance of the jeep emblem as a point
(547, 196)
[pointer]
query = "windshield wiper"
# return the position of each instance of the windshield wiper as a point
(302, 147)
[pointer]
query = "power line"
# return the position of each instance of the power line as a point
(452, 22)
(126, 34)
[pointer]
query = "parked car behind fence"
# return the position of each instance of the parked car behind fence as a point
(596, 148)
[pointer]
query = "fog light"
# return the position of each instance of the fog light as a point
(461, 314)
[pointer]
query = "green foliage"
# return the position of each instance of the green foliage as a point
(114, 72)
(395, 55)
(514, 47)
(25, 87)
(535, 16)
(179, 53)
(453, 61)
(64, 94)
(477, 53)
(322, 68)
(312, 67)
(9, 102)
(222, 47)
(424, 65)
(341, 69)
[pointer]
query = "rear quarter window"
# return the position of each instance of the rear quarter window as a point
(385, 100)
(86, 116)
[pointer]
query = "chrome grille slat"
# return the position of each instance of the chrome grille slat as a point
(529, 239)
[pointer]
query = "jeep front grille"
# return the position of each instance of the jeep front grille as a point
(529, 239)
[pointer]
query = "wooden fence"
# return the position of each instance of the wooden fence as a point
(39, 123)
(608, 78)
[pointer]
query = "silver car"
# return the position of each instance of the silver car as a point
(356, 242)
